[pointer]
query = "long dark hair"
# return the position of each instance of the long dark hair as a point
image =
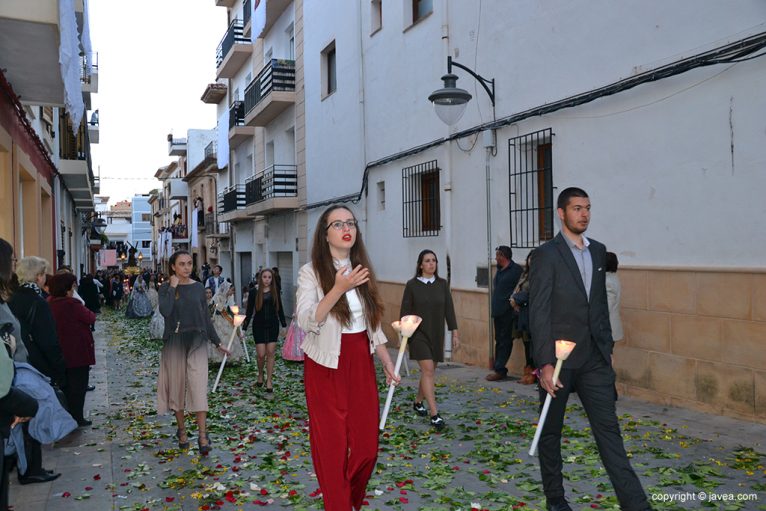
(421, 256)
(273, 289)
(321, 259)
(6, 269)
(174, 257)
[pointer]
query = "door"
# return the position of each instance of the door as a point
(245, 272)
(285, 265)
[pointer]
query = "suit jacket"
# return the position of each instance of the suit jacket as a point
(559, 307)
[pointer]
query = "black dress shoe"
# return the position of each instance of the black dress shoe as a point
(83, 423)
(90, 388)
(562, 506)
(39, 478)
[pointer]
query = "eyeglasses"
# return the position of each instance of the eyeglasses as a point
(338, 225)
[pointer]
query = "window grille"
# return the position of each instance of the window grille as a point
(421, 212)
(530, 174)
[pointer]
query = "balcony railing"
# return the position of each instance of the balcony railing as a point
(211, 150)
(212, 227)
(247, 11)
(85, 77)
(237, 114)
(277, 75)
(274, 181)
(179, 231)
(74, 145)
(235, 34)
(231, 199)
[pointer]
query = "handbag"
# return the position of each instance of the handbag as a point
(157, 325)
(6, 359)
(291, 349)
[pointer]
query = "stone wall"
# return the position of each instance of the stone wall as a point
(693, 338)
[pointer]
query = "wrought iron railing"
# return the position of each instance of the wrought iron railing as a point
(235, 34)
(247, 11)
(232, 198)
(211, 150)
(277, 74)
(274, 181)
(237, 114)
(84, 75)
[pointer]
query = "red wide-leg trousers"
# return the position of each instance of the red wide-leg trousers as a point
(343, 423)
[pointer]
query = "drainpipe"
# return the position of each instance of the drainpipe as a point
(447, 186)
(363, 105)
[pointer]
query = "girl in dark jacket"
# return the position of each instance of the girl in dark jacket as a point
(73, 323)
(265, 310)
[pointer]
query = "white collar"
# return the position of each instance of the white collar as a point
(427, 281)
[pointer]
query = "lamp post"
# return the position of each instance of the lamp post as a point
(449, 104)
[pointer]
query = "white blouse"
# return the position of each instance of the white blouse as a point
(358, 323)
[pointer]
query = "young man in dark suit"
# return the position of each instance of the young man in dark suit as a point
(568, 301)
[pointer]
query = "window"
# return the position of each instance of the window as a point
(146, 217)
(530, 174)
(146, 244)
(376, 16)
(329, 80)
(421, 9)
(381, 195)
(421, 213)
(291, 42)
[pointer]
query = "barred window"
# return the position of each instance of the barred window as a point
(530, 174)
(421, 212)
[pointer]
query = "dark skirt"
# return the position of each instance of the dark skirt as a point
(266, 334)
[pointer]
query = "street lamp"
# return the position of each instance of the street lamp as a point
(449, 104)
(99, 225)
(140, 258)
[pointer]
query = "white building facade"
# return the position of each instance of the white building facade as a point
(141, 229)
(673, 162)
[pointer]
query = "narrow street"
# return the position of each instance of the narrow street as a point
(129, 459)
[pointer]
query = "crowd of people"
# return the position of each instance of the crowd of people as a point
(567, 289)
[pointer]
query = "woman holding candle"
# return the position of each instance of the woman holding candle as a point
(428, 296)
(182, 382)
(340, 310)
(265, 309)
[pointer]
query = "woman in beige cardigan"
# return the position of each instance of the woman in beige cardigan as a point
(340, 310)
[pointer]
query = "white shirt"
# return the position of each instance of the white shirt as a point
(358, 322)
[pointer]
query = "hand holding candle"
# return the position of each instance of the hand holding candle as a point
(563, 350)
(407, 326)
(238, 319)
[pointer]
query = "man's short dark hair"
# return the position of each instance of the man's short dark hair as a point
(506, 251)
(567, 194)
(611, 262)
(220, 268)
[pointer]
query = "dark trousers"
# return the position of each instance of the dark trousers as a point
(6, 463)
(77, 385)
(594, 384)
(503, 342)
(34, 453)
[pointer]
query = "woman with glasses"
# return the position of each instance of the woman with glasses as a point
(340, 309)
(428, 296)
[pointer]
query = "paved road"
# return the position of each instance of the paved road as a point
(129, 460)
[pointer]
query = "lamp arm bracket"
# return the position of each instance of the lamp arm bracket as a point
(483, 81)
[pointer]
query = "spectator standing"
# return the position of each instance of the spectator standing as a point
(73, 326)
(428, 296)
(508, 274)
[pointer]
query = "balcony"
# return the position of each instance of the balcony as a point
(211, 151)
(180, 233)
(75, 165)
(89, 81)
(233, 51)
(214, 228)
(225, 3)
(176, 146)
(267, 12)
(238, 131)
(93, 129)
(231, 204)
(214, 93)
(30, 42)
(274, 189)
(178, 189)
(270, 93)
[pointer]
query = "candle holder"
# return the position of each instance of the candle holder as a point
(238, 319)
(407, 326)
(563, 350)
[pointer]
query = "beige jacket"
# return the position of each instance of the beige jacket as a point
(322, 341)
